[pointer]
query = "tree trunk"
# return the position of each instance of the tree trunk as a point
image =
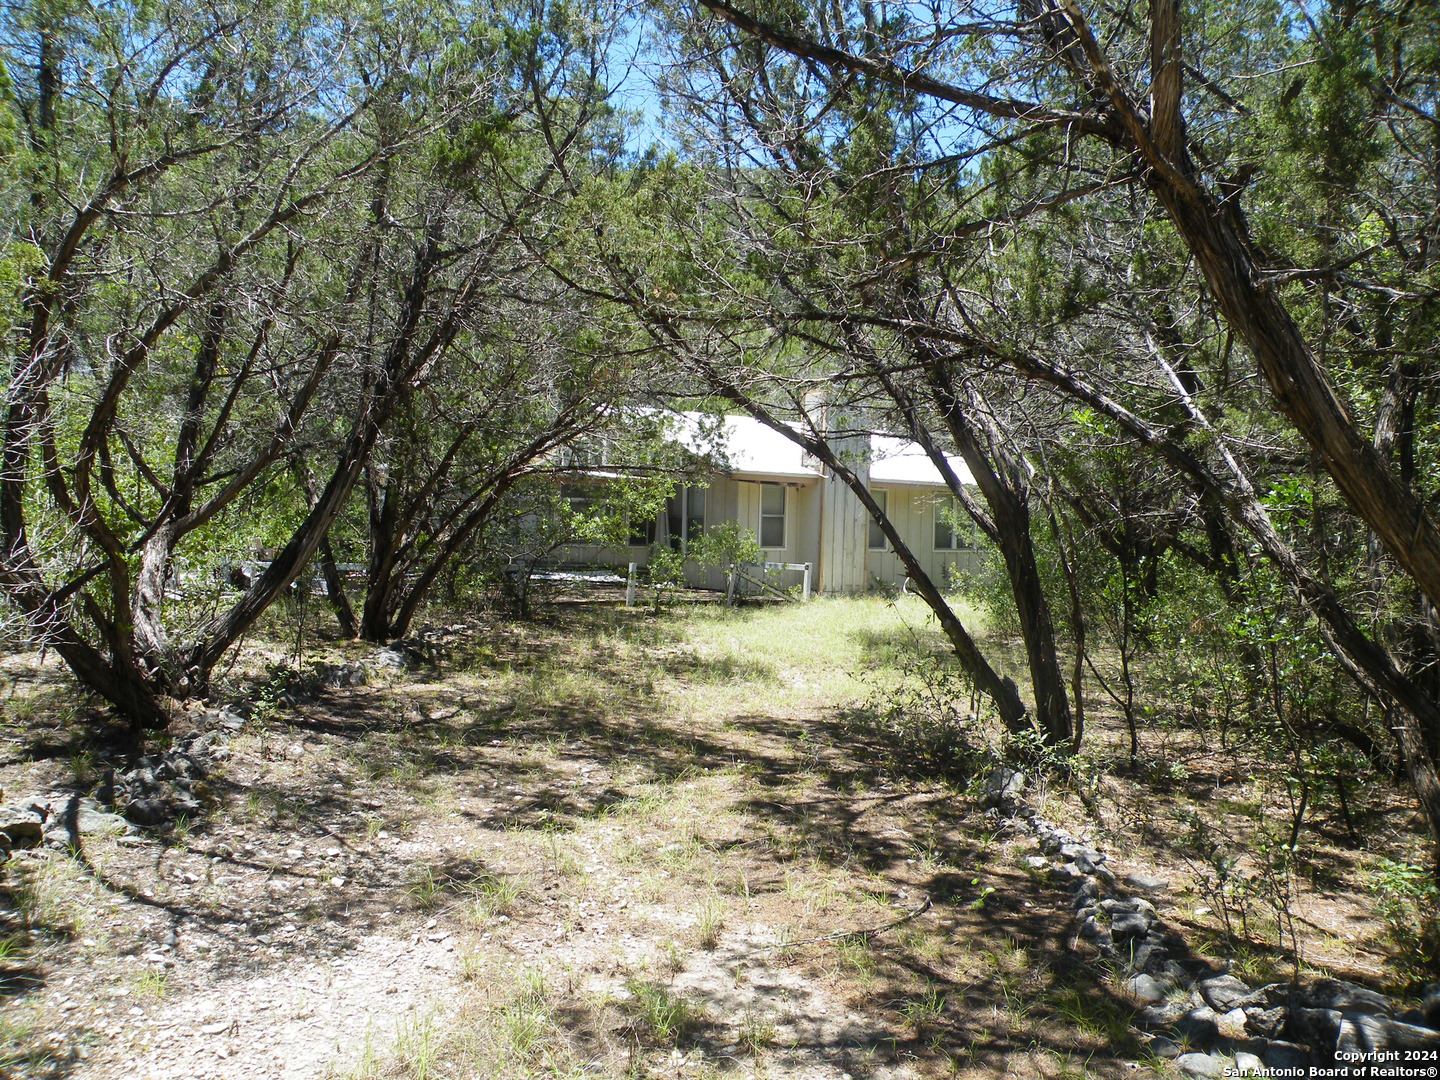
(335, 590)
(1007, 496)
(329, 567)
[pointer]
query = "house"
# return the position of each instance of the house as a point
(801, 514)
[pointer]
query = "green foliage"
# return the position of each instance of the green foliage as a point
(660, 1016)
(1408, 898)
(721, 545)
(924, 723)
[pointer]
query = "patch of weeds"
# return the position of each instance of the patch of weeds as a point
(563, 862)
(1256, 966)
(23, 710)
(661, 1017)
(927, 945)
(680, 855)
(42, 897)
(24, 1051)
(636, 806)
(366, 1067)
(472, 964)
(853, 955)
(82, 768)
(674, 958)
(984, 895)
(492, 895)
(152, 983)
(374, 824)
(417, 1046)
(709, 921)
(755, 1034)
(1409, 902)
(1063, 1066)
(182, 830)
(1092, 1013)
(525, 1029)
(925, 1010)
(425, 889)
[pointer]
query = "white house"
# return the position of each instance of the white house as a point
(801, 514)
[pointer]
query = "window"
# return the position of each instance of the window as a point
(877, 534)
(685, 515)
(954, 531)
(579, 497)
(642, 532)
(772, 516)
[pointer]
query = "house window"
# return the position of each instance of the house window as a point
(772, 516)
(954, 531)
(877, 534)
(642, 532)
(579, 497)
(685, 515)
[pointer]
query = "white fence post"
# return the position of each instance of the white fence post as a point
(630, 587)
(805, 591)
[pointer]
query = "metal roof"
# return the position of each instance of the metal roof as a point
(749, 449)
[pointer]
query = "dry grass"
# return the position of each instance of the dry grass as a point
(643, 835)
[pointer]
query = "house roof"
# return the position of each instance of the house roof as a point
(754, 451)
(900, 461)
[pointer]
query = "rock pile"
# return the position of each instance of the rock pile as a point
(426, 647)
(302, 688)
(1187, 1003)
(161, 787)
(146, 791)
(53, 820)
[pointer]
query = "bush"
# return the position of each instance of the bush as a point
(1409, 902)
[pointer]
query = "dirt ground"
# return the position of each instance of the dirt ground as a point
(604, 844)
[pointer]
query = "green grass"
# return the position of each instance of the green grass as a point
(711, 660)
(925, 1009)
(425, 889)
(23, 1050)
(709, 921)
(152, 983)
(660, 1017)
(417, 1047)
(832, 648)
(492, 895)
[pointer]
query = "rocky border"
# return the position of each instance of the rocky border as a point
(146, 791)
(1205, 1019)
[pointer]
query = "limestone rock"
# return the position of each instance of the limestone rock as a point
(1146, 989)
(1265, 1023)
(1146, 883)
(1133, 924)
(1278, 1054)
(1004, 786)
(1248, 1063)
(1224, 992)
(1344, 996)
(1161, 1014)
(146, 811)
(1314, 1027)
(21, 826)
(1203, 1066)
(1163, 1047)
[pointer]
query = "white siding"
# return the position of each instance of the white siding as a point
(912, 511)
